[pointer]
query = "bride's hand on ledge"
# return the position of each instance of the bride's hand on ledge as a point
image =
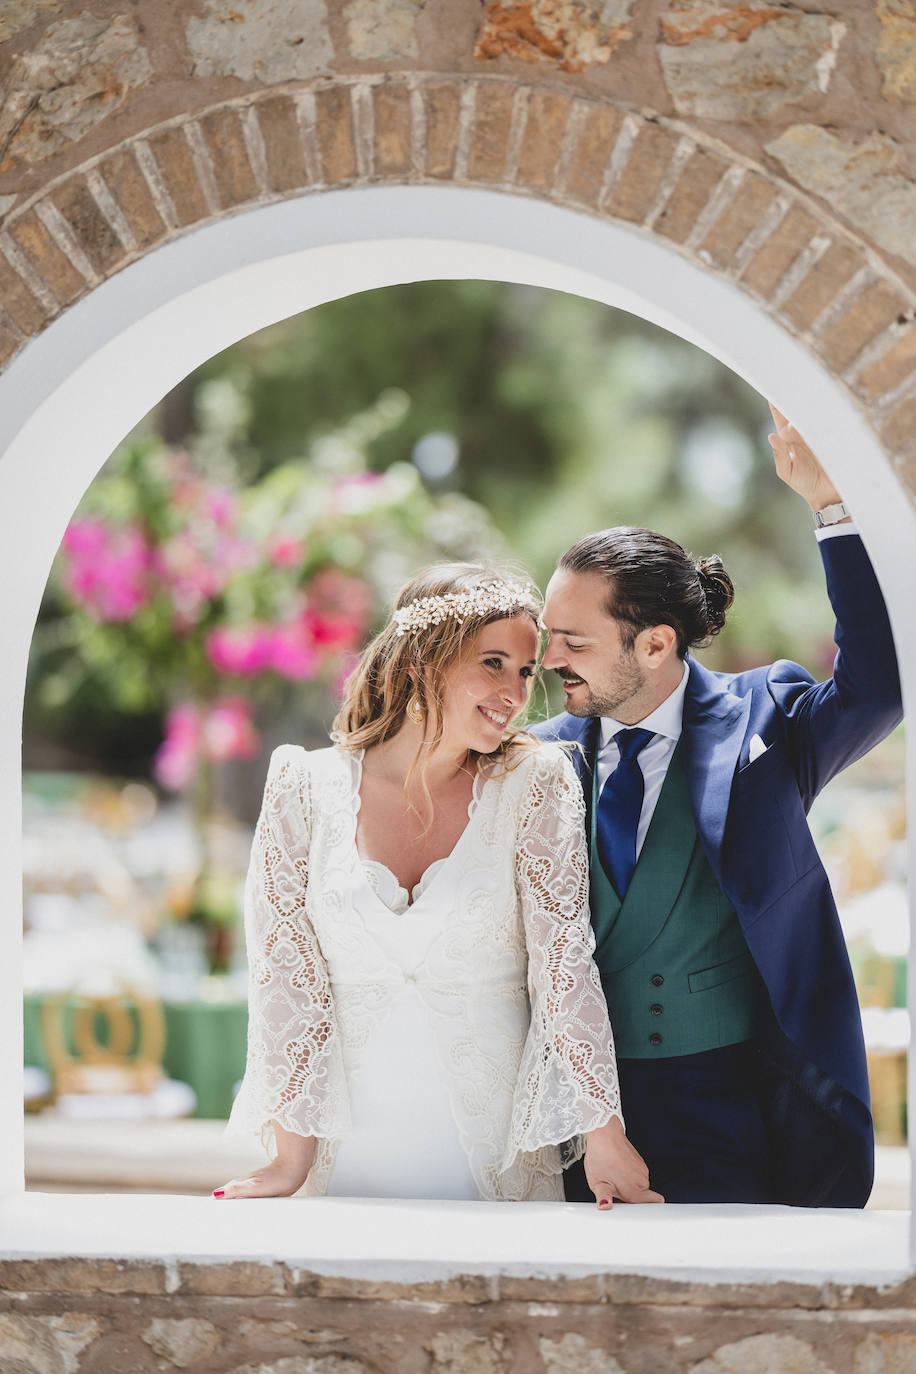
(614, 1168)
(283, 1176)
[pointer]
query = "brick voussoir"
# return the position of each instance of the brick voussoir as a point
(127, 185)
(542, 143)
(870, 312)
(637, 186)
(232, 170)
(91, 230)
(50, 262)
(739, 218)
(489, 143)
(392, 129)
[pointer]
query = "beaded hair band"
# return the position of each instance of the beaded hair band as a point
(479, 601)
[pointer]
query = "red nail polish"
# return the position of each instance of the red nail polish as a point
(219, 1192)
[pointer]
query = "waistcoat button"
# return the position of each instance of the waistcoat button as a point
(656, 980)
(656, 1008)
(655, 1038)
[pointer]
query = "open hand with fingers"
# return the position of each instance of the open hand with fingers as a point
(614, 1169)
(797, 465)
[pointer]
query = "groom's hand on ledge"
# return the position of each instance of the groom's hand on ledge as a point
(614, 1169)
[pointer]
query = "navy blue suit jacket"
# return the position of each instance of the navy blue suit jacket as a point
(751, 819)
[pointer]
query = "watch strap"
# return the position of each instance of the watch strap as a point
(831, 515)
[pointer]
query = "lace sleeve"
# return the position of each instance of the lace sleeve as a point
(294, 1074)
(568, 1078)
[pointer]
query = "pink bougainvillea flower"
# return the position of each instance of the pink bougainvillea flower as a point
(293, 654)
(241, 649)
(228, 730)
(284, 551)
(176, 758)
(108, 572)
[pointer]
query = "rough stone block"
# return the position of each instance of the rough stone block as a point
(235, 181)
(898, 428)
(127, 185)
(699, 178)
(821, 285)
(761, 1354)
(745, 61)
(382, 29)
(592, 153)
(109, 1276)
(181, 1341)
(91, 229)
(334, 135)
(463, 1352)
(896, 50)
(53, 265)
(572, 1354)
(16, 14)
(569, 34)
(443, 114)
(639, 183)
(46, 1345)
(868, 181)
(490, 135)
(9, 339)
(26, 311)
(872, 310)
(741, 215)
(543, 139)
(392, 129)
(261, 40)
(176, 166)
(772, 261)
(237, 1278)
(76, 73)
(887, 371)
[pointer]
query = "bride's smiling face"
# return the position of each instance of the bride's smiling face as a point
(490, 685)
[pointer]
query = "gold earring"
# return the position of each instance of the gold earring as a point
(414, 710)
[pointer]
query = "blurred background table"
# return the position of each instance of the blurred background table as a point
(204, 1047)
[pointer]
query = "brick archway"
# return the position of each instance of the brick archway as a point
(733, 218)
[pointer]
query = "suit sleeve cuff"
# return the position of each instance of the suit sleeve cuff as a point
(835, 531)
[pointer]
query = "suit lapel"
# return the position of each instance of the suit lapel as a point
(714, 727)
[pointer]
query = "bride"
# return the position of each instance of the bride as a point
(425, 1017)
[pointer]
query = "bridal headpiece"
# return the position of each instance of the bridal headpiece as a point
(478, 601)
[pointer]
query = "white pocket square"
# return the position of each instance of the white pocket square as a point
(757, 748)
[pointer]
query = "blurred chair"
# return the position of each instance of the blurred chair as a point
(37, 1090)
(105, 1055)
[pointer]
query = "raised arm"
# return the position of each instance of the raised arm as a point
(568, 1079)
(294, 1088)
(832, 723)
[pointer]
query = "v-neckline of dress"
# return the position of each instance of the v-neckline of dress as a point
(356, 757)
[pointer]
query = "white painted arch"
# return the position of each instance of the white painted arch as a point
(75, 391)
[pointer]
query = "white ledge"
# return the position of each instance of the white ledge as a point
(410, 1242)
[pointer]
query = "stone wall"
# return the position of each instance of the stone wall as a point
(106, 1317)
(770, 142)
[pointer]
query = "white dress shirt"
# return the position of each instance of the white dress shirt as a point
(665, 723)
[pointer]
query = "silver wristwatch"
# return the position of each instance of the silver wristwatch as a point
(831, 515)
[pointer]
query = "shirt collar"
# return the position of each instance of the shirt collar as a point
(666, 719)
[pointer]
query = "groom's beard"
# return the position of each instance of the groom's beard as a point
(625, 683)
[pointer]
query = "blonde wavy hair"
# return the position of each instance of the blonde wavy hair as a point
(394, 666)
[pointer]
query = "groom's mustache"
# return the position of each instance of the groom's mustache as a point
(565, 675)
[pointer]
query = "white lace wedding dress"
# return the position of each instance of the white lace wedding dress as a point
(440, 1044)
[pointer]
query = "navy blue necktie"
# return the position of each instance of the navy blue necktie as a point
(619, 807)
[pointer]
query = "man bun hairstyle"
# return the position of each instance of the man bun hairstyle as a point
(718, 589)
(651, 580)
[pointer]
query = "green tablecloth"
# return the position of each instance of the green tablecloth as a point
(204, 1046)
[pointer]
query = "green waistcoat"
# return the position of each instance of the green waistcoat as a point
(674, 963)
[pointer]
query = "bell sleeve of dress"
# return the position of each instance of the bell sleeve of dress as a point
(567, 1083)
(294, 1073)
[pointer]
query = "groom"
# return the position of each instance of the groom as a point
(739, 1040)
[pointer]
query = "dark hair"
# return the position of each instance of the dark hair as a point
(653, 581)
